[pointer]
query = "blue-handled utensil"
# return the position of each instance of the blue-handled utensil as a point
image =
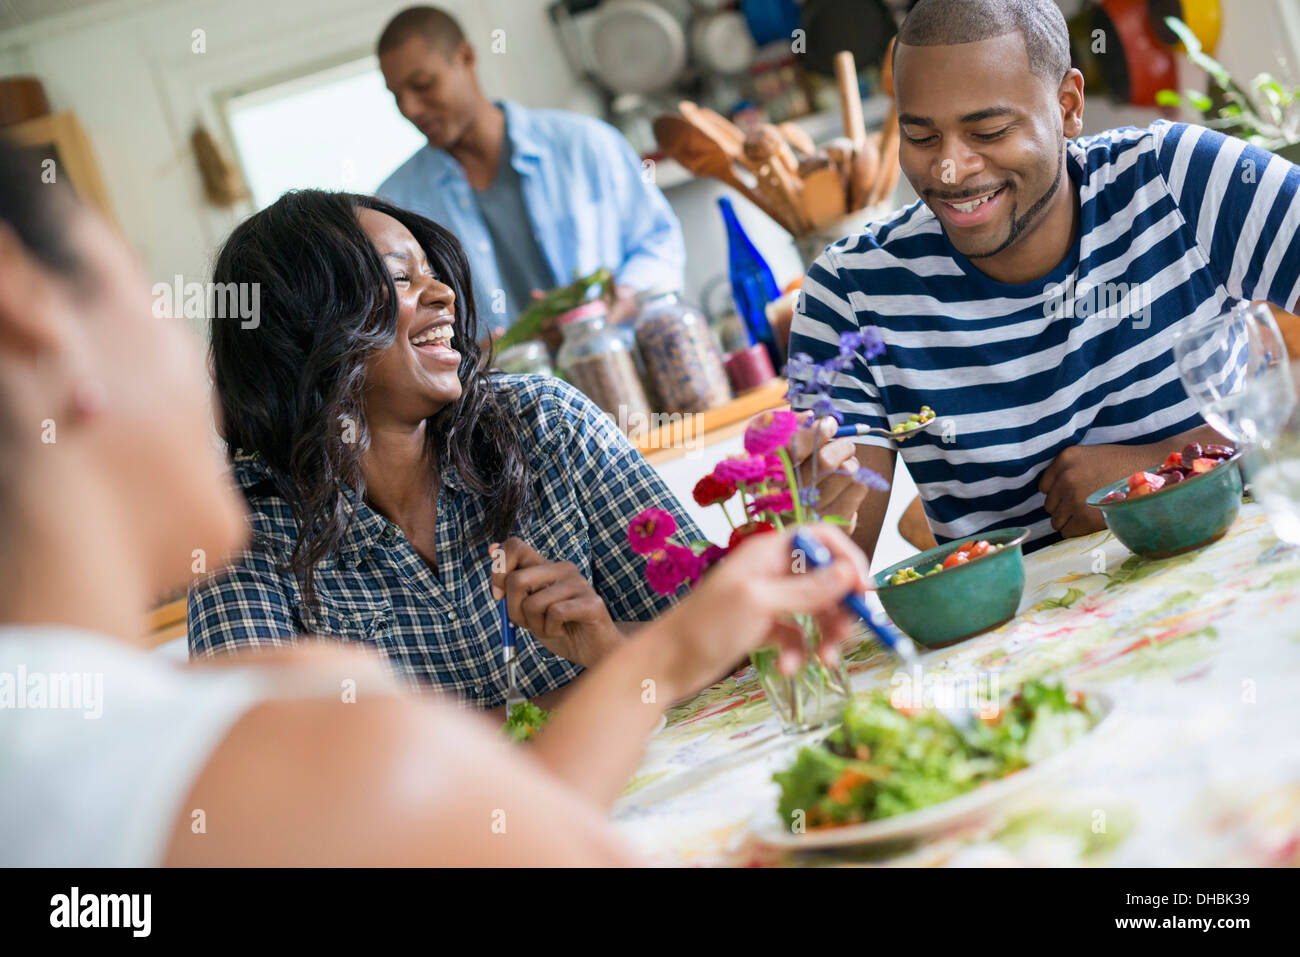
(845, 431)
(508, 656)
(818, 555)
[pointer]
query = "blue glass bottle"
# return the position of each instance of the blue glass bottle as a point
(752, 283)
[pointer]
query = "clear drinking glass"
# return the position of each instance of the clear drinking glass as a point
(1274, 473)
(1234, 366)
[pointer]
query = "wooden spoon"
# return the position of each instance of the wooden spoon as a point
(798, 138)
(864, 165)
(823, 197)
(772, 160)
(702, 155)
(887, 178)
(716, 125)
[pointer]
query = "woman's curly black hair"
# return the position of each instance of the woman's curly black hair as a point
(290, 386)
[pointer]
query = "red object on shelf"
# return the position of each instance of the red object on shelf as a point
(749, 368)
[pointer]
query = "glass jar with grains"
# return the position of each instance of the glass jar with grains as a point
(683, 364)
(598, 360)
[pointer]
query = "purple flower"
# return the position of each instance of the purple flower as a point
(799, 366)
(739, 469)
(823, 407)
(869, 478)
(809, 497)
(865, 341)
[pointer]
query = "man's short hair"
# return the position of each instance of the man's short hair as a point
(437, 27)
(948, 22)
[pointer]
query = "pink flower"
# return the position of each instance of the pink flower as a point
(711, 556)
(741, 468)
(775, 468)
(778, 502)
(650, 530)
(670, 567)
(770, 431)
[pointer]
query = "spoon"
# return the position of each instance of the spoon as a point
(902, 435)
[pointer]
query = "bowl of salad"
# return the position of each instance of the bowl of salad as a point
(888, 773)
(1186, 502)
(956, 590)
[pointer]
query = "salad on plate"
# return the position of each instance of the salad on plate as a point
(885, 761)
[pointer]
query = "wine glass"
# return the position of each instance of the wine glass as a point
(1274, 470)
(1234, 366)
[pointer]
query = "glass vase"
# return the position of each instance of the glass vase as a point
(811, 698)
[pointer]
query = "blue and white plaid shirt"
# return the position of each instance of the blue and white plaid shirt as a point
(441, 629)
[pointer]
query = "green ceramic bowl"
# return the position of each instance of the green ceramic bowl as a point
(961, 601)
(1178, 518)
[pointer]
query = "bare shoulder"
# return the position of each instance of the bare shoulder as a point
(384, 780)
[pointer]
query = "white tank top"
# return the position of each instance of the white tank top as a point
(101, 742)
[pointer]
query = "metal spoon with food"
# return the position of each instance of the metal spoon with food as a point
(899, 432)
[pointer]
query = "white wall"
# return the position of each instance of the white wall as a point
(128, 69)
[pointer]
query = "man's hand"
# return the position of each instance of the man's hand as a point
(1080, 470)
(553, 601)
(624, 307)
(838, 494)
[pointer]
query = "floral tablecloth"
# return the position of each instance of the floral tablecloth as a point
(1198, 765)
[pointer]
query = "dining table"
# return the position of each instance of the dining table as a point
(1197, 764)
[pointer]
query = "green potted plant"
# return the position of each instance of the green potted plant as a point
(1267, 115)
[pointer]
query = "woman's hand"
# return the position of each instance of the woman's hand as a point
(554, 601)
(838, 494)
(745, 602)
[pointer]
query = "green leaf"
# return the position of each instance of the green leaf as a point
(1168, 98)
(1200, 101)
(834, 520)
(1066, 600)
(531, 321)
(1184, 33)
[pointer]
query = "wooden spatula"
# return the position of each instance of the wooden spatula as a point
(702, 155)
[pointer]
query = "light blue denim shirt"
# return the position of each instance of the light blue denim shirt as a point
(586, 195)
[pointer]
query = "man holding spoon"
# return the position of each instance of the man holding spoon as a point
(1032, 293)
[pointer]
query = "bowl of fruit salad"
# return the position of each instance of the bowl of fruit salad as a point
(1185, 503)
(956, 590)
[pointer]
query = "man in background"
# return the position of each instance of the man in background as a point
(535, 196)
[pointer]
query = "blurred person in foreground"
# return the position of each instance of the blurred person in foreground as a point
(109, 485)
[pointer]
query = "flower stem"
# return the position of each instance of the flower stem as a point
(793, 483)
(727, 515)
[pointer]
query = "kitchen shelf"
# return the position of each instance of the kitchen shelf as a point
(705, 428)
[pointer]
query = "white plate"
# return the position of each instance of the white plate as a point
(768, 829)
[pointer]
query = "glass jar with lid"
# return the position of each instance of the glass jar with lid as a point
(599, 361)
(525, 358)
(683, 364)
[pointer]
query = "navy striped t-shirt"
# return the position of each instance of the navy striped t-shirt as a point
(1176, 222)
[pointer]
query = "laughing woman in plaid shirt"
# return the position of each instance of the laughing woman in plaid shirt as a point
(381, 464)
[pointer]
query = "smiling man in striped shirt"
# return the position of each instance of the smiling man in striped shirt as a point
(1031, 295)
